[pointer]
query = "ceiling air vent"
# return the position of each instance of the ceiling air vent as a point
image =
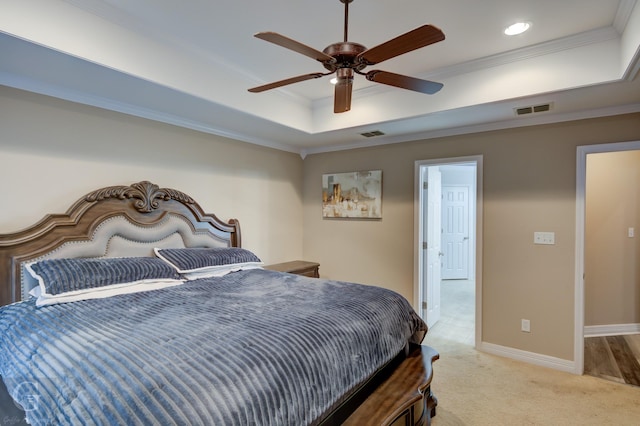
(532, 109)
(372, 134)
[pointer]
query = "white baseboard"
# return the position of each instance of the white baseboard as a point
(528, 357)
(611, 330)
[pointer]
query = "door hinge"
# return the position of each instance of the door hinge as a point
(425, 185)
(424, 245)
(424, 304)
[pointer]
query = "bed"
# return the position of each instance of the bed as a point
(136, 307)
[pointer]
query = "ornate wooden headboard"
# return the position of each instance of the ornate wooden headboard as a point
(112, 221)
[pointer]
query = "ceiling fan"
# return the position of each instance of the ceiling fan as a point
(347, 58)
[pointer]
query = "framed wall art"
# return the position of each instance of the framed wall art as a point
(352, 195)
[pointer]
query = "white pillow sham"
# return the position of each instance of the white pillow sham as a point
(44, 299)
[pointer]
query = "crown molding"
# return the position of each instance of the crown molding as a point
(623, 14)
(484, 127)
(41, 88)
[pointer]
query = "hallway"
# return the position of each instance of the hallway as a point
(457, 317)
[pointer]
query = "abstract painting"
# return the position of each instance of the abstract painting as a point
(352, 195)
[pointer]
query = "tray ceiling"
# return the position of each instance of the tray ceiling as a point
(191, 63)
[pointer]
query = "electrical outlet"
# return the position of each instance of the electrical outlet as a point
(526, 326)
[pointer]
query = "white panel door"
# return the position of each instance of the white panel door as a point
(433, 253)
(455, 232)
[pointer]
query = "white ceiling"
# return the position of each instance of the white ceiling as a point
(191, 62)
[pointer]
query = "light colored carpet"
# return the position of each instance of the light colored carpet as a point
(475, 388)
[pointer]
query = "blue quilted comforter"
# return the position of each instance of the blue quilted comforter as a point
(252, 348)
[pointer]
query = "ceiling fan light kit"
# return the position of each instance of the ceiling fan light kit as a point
(345, 59)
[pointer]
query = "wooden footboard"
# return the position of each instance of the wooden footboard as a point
(405, 398)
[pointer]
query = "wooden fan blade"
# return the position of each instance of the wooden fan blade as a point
(342, 95)
(296, 46)
(286, 82)
(404, 82)
(415, 39)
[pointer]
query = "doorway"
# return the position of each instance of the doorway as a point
(447, 220)
(581, 179)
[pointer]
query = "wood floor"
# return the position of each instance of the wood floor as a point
(615, 358)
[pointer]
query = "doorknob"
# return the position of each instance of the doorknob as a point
(465, 238)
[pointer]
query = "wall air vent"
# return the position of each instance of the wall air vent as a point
(372, 134)
(533, 109)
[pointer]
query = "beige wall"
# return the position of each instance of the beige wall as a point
(52, 152)
(612, 270)
(529, 185)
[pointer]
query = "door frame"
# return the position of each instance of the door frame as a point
(581, 184)
(417, 232)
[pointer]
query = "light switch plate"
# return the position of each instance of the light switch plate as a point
(548, 238)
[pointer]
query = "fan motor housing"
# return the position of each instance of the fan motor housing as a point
(345, 54)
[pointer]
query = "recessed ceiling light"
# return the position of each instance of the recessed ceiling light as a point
(517, 28)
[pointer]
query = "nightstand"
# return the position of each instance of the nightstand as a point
(298, 267)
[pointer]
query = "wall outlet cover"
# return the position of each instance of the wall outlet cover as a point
(545, 238)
